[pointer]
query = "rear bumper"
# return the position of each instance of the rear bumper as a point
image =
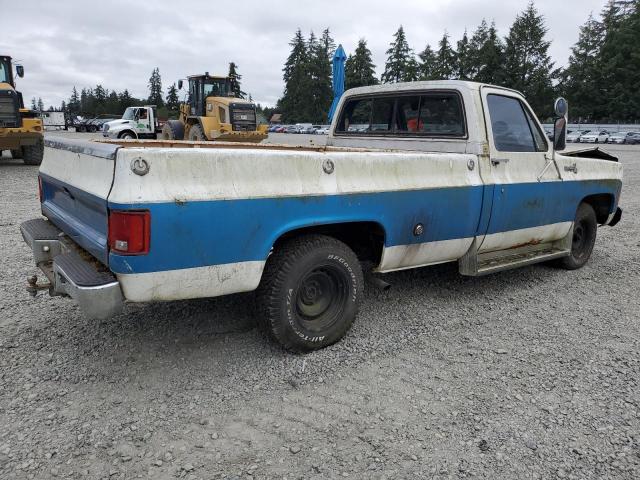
(71, 271)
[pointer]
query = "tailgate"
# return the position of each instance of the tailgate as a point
(76, 178)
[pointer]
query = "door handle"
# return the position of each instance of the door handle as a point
(498, 161)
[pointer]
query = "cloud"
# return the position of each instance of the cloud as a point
(118, 43)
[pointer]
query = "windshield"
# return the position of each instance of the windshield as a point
(129, 114)
(5, 71)
(216, 88)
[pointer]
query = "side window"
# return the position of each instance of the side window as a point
(356, 116)
(512, 130)
(538, 136)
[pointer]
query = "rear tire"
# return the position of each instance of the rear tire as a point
(585, 229)
(310, 292)
(17, 153)
(196, 134)
(173, 130)
(32, 154)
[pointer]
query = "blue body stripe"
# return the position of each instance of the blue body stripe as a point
(201, 233)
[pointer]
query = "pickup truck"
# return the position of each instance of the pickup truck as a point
(413, 174)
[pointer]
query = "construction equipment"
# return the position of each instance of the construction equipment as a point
(213, 113)
(21, 130)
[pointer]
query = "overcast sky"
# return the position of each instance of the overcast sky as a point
(117, 43)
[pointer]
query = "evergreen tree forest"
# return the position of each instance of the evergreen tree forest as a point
(600, 81)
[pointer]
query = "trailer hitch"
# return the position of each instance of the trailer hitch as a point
(33, 287)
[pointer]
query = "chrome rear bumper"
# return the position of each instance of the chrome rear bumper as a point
(72, 271)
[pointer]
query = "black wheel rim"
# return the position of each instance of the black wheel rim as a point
(321, 298)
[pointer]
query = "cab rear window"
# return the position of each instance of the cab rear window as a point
(433, 114)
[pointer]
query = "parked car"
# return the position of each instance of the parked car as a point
(133, 223)
(273, 128)
(597, 136)
(323, 130)
(573, 136)
(633, 139)
(291, 129)
(624, 137)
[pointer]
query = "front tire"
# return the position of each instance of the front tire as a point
(585, 229)
(127, 136)
(310, 292)
(196, 134)
(173, 130)
(32, 154)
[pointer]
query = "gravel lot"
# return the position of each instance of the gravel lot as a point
(531, 373)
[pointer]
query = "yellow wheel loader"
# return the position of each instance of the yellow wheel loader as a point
(213, 113)
(21, 130)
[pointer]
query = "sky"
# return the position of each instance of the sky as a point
(117, 43)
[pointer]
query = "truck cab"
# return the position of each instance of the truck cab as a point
(136, 123)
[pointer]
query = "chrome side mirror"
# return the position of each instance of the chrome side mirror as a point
(20, 71)
(180, 84)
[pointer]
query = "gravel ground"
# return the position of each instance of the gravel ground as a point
(531, 373)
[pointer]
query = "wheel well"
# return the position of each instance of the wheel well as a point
(601, 204)
(366, 239)
(121, 134)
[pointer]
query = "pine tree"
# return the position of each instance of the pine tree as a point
(125, 100)
(445, 60)
(427, 64)
(581, 79)
(320, 54)
(528, 66)
(40, 105)
(74, 102)
(359, 69)
(462, 69)
(234, 80)
(401, 65)
(172, 97)
(155, 88)
(34, 104)
(619, 98)
(294, 103)
(487, 65)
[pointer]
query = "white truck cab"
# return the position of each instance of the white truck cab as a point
(136, 122)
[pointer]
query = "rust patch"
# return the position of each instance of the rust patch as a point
(533, 241)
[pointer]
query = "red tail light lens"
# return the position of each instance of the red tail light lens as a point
(129, 232)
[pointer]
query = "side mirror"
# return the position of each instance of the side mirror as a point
(20, 71)
(561, 110)
(180, 84)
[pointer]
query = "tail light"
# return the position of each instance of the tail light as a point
(40, 195)
(129, 232)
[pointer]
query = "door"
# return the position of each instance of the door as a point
(527, 187)
(142, 121)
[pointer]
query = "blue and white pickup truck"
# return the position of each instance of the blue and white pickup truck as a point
(413, 174)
